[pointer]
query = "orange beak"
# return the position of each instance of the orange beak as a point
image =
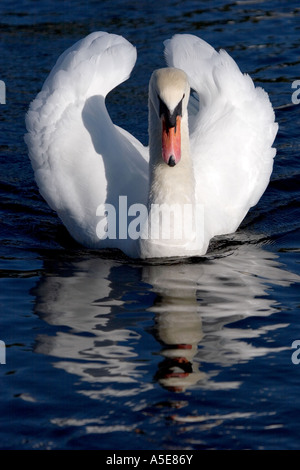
(171, 142)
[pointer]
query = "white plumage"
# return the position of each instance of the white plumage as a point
(81, 160)
(231, 134)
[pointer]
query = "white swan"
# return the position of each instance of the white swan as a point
(209, 158)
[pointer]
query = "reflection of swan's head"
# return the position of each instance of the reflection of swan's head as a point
(168, 97)
(178, 325)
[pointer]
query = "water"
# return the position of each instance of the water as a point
(105, 353)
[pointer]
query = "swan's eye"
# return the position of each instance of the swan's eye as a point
(170, 117)
(163, 108)
(178, 110)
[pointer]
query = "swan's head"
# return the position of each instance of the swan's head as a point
(169, 91)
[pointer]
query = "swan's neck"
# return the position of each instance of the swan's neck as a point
(171, 229)
(169, 185)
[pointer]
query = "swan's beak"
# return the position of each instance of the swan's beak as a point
(171, 141)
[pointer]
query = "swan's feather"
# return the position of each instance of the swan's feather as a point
(232, 132)
(75, 149)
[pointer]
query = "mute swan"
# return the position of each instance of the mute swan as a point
(209, 158)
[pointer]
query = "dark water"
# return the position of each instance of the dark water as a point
(105, 353)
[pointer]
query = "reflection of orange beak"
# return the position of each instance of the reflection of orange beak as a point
(171, 142)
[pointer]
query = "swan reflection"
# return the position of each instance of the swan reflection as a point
(109, 316)
(178, 324)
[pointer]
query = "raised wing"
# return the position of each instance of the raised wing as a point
(232, 130)
(80, 158)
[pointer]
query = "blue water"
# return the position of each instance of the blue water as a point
(105, 353)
